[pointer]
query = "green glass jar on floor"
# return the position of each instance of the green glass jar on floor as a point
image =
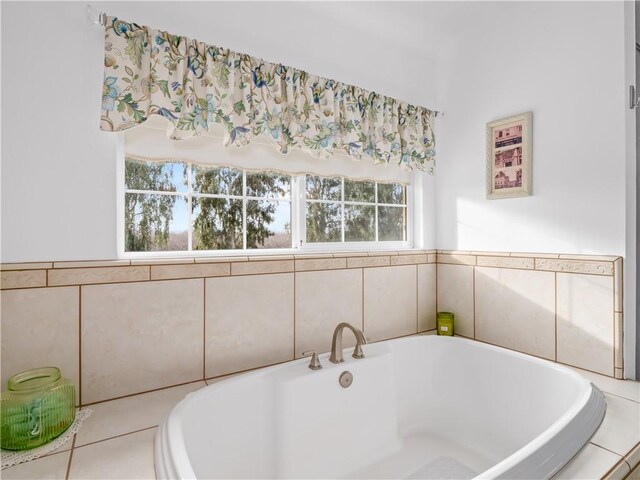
(37, 407)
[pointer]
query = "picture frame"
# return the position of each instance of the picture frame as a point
(510, 157)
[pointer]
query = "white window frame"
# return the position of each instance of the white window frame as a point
(298, 230)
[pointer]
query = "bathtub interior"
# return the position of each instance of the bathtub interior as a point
(417, 408)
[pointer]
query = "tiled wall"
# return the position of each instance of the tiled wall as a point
(125, 327)
(122, 327)
(566, 308)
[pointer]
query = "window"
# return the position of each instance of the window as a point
(342, 210)
(181, 207)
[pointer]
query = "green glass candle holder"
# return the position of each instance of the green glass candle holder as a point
(37, 407)
(445, 323)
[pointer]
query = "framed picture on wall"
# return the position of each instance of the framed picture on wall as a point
(509, 157)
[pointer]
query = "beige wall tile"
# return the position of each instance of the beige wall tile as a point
(491, 254)
(320, 264)
(23, 279)
(506, 262)
(162, 261)
(360, 262)
(39, 329)
(87, 276)
(249, 322)
(390, 302)
(618, 338)
(220, 259)
(455, 294)
(255, 267)
(618, 285)
(606, 258)
(92, 263)
(26, 266)
(619, 373)
(350, 254)
(306, 256)
(140, 336)
(456, 258)
(432, 258)
(164, 272)
(536, 255)
(426, 297)
(585, 322)
(405, 259)
(516, 309)
(323, 300)
(259, 258)
(574, 266)
(619, 471)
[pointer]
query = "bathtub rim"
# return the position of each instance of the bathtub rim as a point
(170, 450)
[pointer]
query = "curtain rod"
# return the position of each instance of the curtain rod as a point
(100, 18)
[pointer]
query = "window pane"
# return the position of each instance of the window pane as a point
(217, 223)
(268, 224)
(391, 193)
(392, 223)
(320, 188)
(217, 181)
(155, 222)
(159, 177)
(268, 185)
(359, 223)
(324, 223)
(359, 191)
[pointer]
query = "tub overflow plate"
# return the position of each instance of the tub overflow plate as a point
(346, 379)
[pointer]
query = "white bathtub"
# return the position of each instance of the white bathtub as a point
(419, 407)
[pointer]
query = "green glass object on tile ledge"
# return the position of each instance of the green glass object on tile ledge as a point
(37, 407)
(445, 323)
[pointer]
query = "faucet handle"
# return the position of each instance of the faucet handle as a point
(314, 364)
(357, 352)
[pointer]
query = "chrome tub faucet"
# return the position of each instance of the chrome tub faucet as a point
(336, 344)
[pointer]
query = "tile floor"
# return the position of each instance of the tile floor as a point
(116, 442)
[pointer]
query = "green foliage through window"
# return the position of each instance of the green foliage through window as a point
(174, 206)
(177, 207)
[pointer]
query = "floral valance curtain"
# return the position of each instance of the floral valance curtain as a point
(194, 85)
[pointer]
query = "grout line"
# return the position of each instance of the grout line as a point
(417, 301)
(586, 370)
(608, 450)
(204, 329)
(142, 392)
(621, 273)
(618, 395)
(555, 315)
(295, 324)
(364, 329)
(73, 443)
(436, 312)
(474, 302)
(616, 344)
(116, 436)
(79, 345)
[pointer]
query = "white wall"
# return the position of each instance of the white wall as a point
(58, 169)
(570, 63)
(565, 62)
